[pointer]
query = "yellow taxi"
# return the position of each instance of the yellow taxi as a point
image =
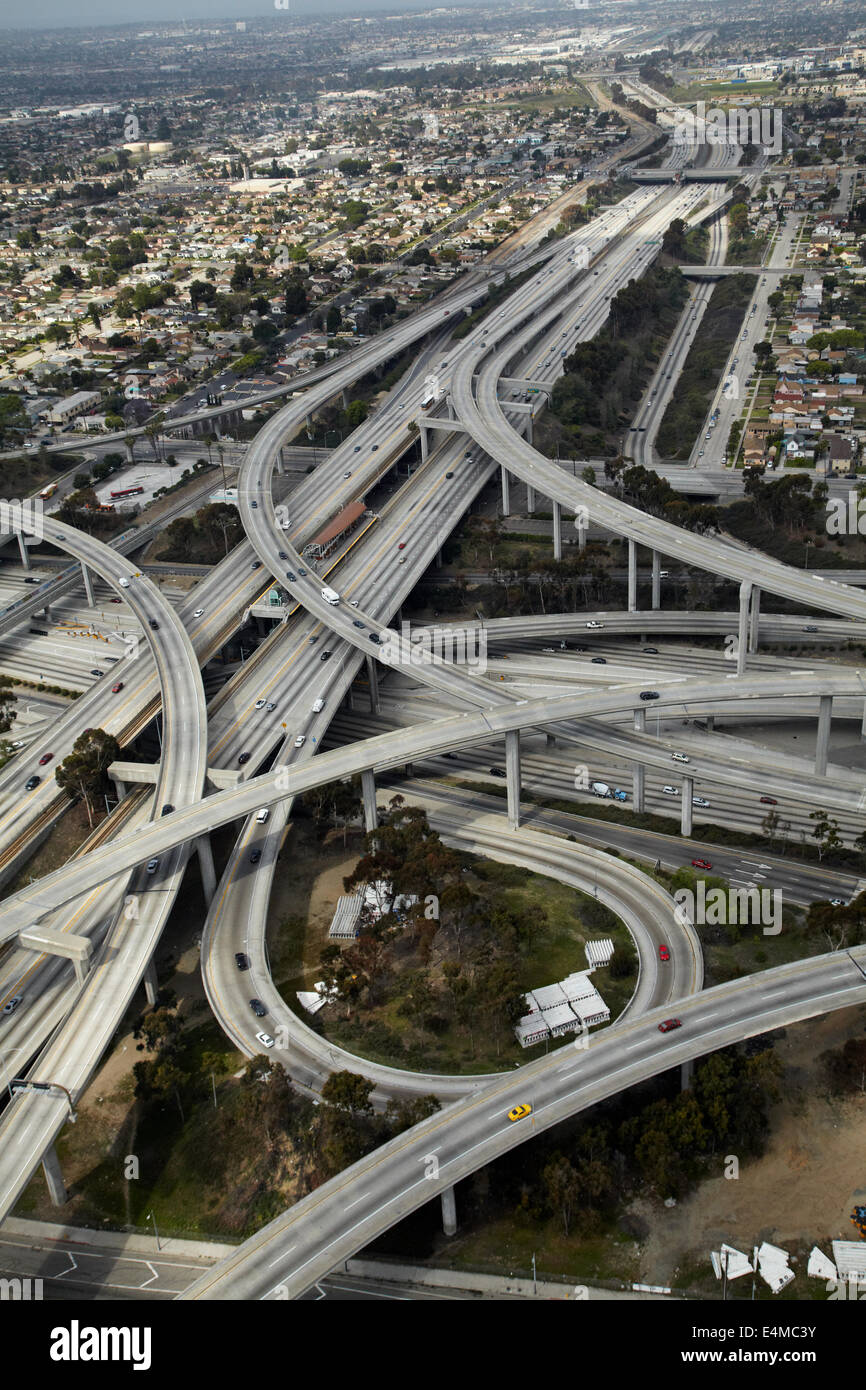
(519, 1112)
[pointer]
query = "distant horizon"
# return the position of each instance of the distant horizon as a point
(103, 14)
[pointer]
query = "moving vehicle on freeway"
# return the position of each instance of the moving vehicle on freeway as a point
(669, 1024)
(519, 1112)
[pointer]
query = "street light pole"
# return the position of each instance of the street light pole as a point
(155, 1231)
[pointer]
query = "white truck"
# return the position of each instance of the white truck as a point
(330, 595)
(601, 789)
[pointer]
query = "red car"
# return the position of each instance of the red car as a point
(402, 545)
(701, 864)
(769, 801)
(669, 1024)
(664, 953)
(116, 689)
(46, 758)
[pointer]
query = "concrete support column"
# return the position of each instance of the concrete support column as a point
(82, 970)
(755, 619)
(657, 580)
(529, 427)
(278, 462)
(863, 723)
(530, 498)
(632, 576)
(373, 676)
(309, 423)
(206, 867)
(581, 530)
(344, 396)
(686, 1073)
(637, 786)
(506, 491)
(687, 808)
(557, 531)
(822, 746)
(549, 740)
(119, 788)
(449, 1212)
(711, 723)
(88, 584)
(425, 442)
(24, 552)
(640, 720)
(151, 986)
(743, 626)
(368, 794)
(512, 773)
(54, 1177)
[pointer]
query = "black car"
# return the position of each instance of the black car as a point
(254, 504)
(650, 651)
(283, 555)
(357, 623)
(241, 961)
(31, 783)
(325, 656)
(292, 577)
(97, 673)
(649, 695)
(255, 856)
(302, 573)
(496, 771)
(167, 809)
(599, 661)
(374, 637)
(154, 624)
(256, 565)
(315, 637)
(258, 1008)
(449, 475)
(375, 447)
(243, 758)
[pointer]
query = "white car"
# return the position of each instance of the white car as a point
(265, 1039)
(300, 740)
(593, 623)
(700, 801)
(671, 791)
(260, 704)
(199, 613)
(354, 603)
(680, 757)
(346, 475)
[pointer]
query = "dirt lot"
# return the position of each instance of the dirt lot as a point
(803, 1189)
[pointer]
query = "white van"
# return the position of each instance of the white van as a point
(330, 595)
(124, 583)
(318, 705)
(262, 815)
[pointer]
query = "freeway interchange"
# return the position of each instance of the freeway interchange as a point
(487, 429)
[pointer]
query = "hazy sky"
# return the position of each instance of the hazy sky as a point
(61, 13)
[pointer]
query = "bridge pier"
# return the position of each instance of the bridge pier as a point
(711, 723)
(530, 499)
(512, 773)
(206, 866)
(344, 396)
(278, 462)
(424, 434)
(822, 745)
(632, 576)
(640, 720)
(151, 985)
(686, 809)
(119, 788)
(54, 1177)
(743, 625)
(373, 677)
(755, 619)
(863, 723)
(637, 786)
(528, 435)
(656, 580)
(449, 1212)
(686, 1072)
(88, 584)
(368, 794)
(506, 498)
(557, 531)
(23, 551)
(581, 531)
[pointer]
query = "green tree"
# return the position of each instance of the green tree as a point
(83, 772)
(348, 1091)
